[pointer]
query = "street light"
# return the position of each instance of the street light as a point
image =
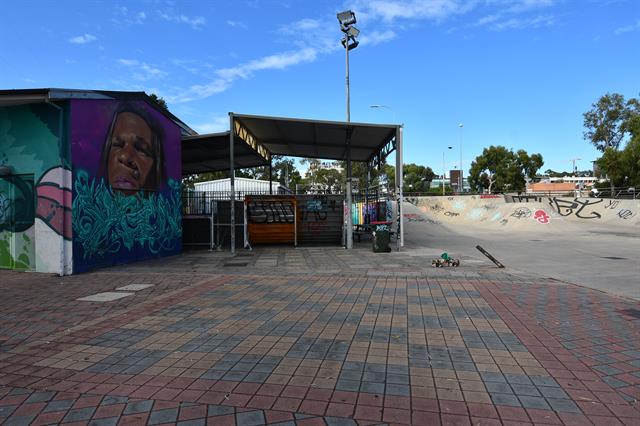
(444, 169)
(460, 181)
(347, 19)
(377, 106)
(573, 161)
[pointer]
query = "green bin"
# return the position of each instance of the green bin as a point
(380, 235)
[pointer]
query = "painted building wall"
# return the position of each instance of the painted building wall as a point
(35, 196)
(126, 183)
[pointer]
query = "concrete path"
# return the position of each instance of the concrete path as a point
(315, 336)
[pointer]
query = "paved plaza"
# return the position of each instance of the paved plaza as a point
(315, 336)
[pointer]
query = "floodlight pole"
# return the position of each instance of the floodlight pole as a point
(348, 188)
(460, 181)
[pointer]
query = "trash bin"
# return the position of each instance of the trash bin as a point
(380, 236)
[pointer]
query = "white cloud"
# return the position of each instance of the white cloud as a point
(216, 125)
(141, 70)
(628, 28)
(389, 10)
(486, 20)
(237, 24)
(377, 37)
(521, 23)
(195, 22)
(83, 39)
(226, 76)
(378, 20)
(123, 16)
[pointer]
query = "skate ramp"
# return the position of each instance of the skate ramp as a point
(585, 241)
(538, 214)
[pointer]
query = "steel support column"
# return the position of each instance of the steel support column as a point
(348, 200)
(270, 176)
(399, 182)
(232, 174)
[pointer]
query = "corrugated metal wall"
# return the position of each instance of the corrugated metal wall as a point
(320, 219)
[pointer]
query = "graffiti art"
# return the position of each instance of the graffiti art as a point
(541, 216)
(126, 183)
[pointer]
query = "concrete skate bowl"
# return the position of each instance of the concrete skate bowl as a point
(534, 214)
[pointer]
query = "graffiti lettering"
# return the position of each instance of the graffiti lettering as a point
(625, 214)
(541, 216)
(504, 222)
(106, 222)
(270, 211)
(451, 214)
(437, 208)
(521, 212)
(567, 207)
(523, 198)
(612, 204)
(412, 217)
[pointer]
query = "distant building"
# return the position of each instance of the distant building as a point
(551, 187)
(583, 180)
(241, 185)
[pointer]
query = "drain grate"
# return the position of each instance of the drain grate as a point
(613, 257)
(236, 263)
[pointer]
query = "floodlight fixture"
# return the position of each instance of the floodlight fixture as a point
(353, 32)
(352, 43)
(346, 19)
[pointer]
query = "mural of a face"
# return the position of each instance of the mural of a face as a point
(131, 156)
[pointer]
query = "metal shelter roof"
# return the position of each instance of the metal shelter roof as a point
(210, 153)
(317, 139)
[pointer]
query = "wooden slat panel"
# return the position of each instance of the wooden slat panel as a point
(270, 219)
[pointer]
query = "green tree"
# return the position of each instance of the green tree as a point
(500, 169)
(631, 161)
(417, 178)
(612, 163)
(605, 122)
(160, 101)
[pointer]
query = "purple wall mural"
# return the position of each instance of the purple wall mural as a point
(126, 183)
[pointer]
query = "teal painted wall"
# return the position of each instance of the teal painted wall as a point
(35, 198)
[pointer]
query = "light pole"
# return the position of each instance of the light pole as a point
(347, 19)
(444, 169)
(573, 161)
(460, 180)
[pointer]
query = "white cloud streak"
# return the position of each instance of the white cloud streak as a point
(628, 28)
(83, 39)
(123, 16)
(380, 20)
(141, 70)
(237, 24)
(195, 22)
(216, 125)
(225, 77)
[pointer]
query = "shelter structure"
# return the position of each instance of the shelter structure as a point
(252, 140)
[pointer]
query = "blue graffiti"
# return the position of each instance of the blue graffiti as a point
(105, 221)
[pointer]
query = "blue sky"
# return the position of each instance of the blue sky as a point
(517, 73)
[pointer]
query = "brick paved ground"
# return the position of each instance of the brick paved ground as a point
(315, 336)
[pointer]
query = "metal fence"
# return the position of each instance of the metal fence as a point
(196, 203)
(618, 193)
